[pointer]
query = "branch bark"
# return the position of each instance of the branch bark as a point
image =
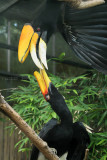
(27, 130)
(90, 3)
(82, 4)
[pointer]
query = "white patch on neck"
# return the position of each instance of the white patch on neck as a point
(64, 156)
(41, 157)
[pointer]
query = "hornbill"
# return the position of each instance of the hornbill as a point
(85, 31)
(65, 137)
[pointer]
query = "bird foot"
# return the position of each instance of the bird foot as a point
(54, 150)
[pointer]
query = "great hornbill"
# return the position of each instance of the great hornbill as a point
(85, 31)
(65, 136)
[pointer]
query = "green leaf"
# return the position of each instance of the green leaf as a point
(54, 115)
(75, 91)
(61, 56)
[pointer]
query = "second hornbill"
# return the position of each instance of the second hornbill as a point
(85, 31)
(65, 136)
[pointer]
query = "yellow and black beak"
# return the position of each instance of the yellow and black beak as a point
(43, 81)
(28, 43)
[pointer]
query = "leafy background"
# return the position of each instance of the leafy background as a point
(86, 97)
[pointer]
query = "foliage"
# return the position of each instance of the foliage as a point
(86, 97)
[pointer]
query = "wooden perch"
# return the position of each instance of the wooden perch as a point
(82, 4)
(27, 130)
(90, 3)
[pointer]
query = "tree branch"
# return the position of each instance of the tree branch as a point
(82, 4)
(26, 129)
(90, 3)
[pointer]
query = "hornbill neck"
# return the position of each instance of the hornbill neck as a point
(52, 95)
(63, 112)
(58, 104)
(47, 19)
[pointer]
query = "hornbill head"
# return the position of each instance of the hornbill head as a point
(33, 42)
(49, 91)
(35, 35)
(44, 82)
(52, 95)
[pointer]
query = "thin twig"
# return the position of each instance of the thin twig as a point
(8, 89)
(27, 130)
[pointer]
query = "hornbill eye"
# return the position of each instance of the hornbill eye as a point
(33, 42)
(38, 29)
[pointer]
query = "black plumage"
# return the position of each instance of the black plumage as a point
(85, 30)
(64, 136)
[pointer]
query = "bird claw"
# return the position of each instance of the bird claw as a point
(54, 151)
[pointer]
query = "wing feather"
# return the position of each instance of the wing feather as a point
(47, 127)
(85, 30)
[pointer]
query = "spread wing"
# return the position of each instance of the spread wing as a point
(85, 30)
(47, 127)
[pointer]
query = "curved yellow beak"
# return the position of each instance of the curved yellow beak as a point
(28, 43)
(43, 81)
(24, 42)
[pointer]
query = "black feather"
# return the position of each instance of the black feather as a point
(85, 30)
(48, 127)
(64, 136)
